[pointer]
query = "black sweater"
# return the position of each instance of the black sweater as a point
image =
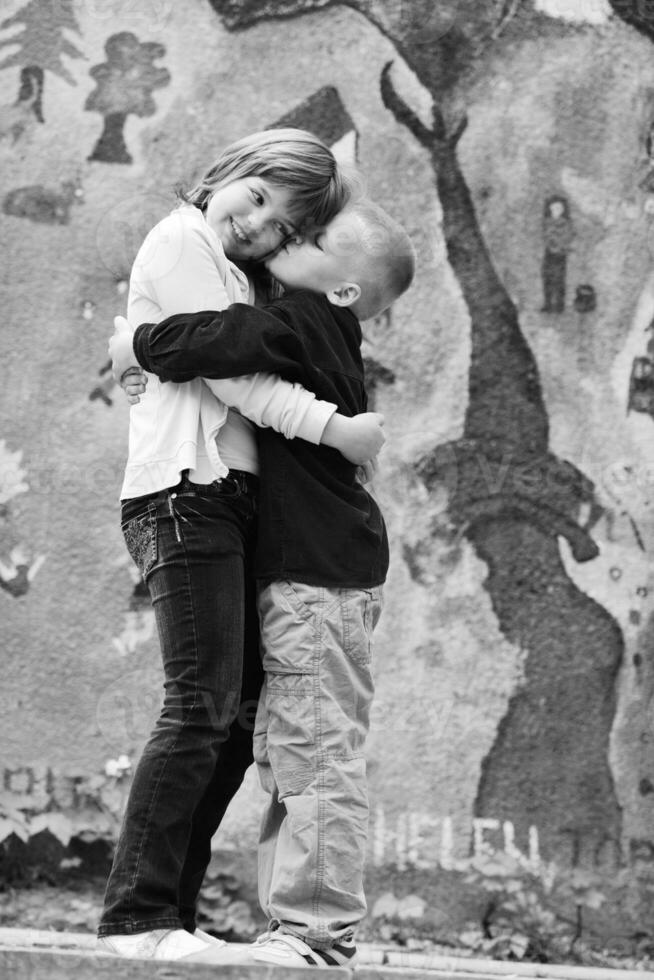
(318, 524)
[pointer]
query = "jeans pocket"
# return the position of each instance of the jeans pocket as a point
(140, 535)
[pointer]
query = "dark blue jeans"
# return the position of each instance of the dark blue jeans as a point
(194, 546)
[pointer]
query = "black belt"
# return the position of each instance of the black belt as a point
(239, 479)
(244, 481)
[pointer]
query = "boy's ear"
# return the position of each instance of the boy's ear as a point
(344, 295)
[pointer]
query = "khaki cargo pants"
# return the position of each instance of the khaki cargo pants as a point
(309, 739)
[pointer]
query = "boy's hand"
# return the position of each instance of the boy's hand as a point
(124, 366)
(359, 438)
(133, 384)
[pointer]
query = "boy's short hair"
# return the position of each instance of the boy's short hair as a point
(385, 265)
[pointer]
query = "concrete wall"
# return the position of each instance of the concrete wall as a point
(515, 681)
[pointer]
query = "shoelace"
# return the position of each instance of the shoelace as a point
(283, 941)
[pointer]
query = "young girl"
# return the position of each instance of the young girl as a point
(188, 517)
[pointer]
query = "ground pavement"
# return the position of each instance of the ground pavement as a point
(34, 954)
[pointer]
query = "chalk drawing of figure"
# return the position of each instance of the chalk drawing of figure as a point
(558, 233)
(138, 621)
(17, 571)
(647, 182)
(139, 627)
(17, 568)
(105, 386)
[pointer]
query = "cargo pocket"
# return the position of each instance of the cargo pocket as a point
(292, 737)
(360, 612)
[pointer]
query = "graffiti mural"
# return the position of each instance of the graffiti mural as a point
(16, 119)
(18, 567)
(104, 389)
(515, 653)
(324, 114)
(514, 520)
(41, 45)
(558, 234)
(124, 85)
(47, 205)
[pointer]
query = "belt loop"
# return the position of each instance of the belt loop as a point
(171, 497)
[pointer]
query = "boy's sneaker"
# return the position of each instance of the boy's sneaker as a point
(285, 950)
(159, 944)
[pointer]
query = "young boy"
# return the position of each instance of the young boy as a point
(322, 558)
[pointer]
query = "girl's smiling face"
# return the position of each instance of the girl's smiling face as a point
(251, 217)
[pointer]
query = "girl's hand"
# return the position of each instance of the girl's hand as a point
(359, 438)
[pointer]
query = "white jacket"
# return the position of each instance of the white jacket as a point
(182, 268)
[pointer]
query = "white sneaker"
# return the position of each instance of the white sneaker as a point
(156, 944)
(286, 950)
(206, 937)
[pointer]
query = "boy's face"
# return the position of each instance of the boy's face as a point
(323, 259)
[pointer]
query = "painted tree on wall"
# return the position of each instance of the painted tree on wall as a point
(513, 498)
(125, 82)
(637, 13)
(41, 44)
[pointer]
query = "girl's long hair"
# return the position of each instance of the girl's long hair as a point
(289, 158)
